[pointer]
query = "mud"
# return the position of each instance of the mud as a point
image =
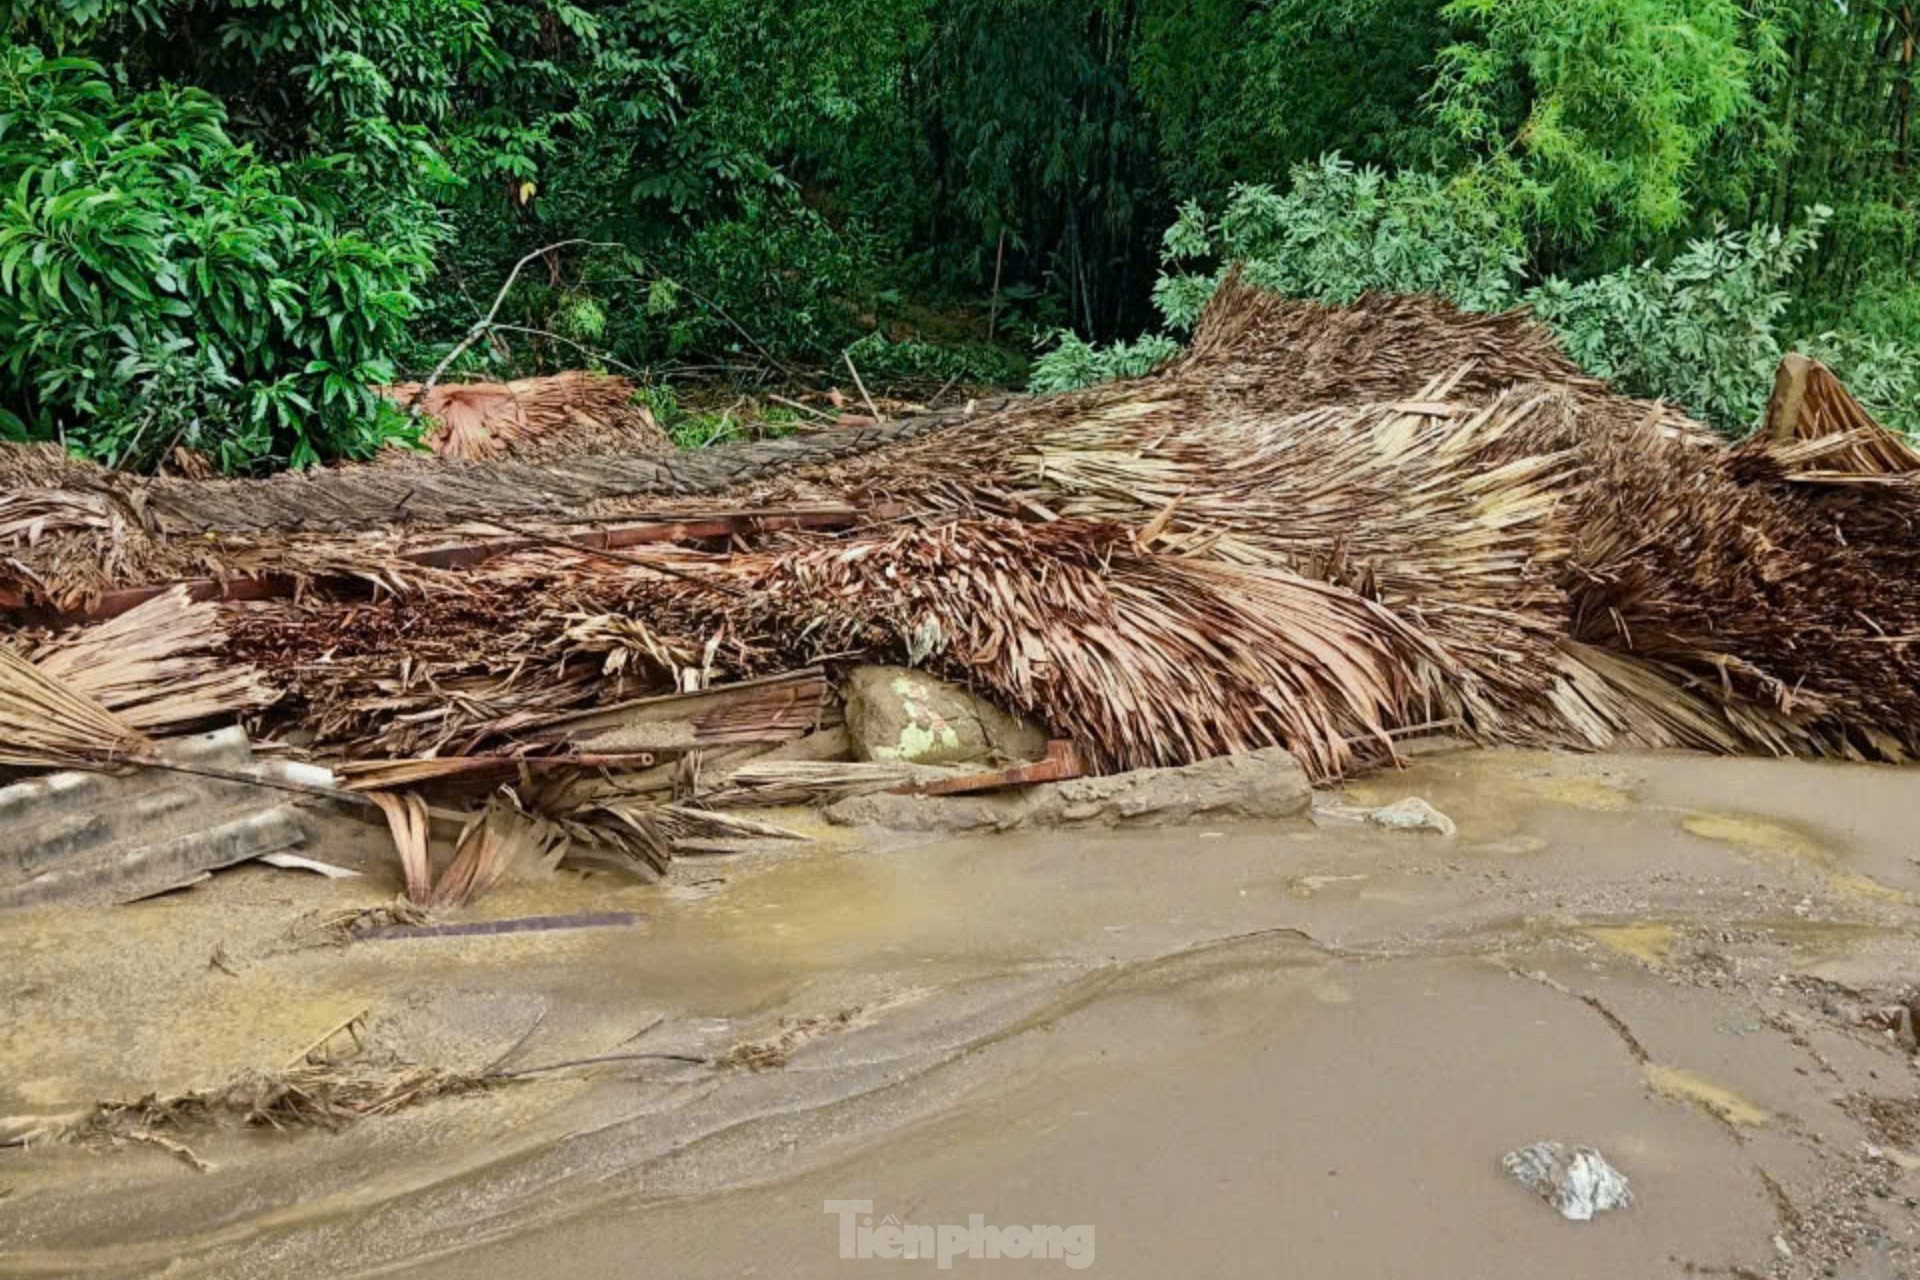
(1228, 1049)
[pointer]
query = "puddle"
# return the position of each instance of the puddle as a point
(1851, 884)
(1649, 943)
(1682, 1085)
(1781, 840)
(1582, 793)
(1759, 835)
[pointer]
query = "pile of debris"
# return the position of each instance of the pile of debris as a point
(545, 419)
(1318, 530)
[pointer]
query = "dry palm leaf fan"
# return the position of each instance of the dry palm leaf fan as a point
(45, 724)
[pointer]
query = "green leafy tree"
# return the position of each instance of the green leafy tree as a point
(1594, 115)
(161, 284)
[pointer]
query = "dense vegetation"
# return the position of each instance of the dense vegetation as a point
(222, 221)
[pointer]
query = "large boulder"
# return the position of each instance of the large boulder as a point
(1262, 784)
(896, 713)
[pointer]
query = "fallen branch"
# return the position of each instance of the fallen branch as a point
(485, 325)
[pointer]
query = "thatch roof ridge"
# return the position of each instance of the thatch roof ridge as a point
(451, 490)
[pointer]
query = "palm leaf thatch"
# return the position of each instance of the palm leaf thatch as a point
(44, 723)
(499, 840)
(1314, 529)
(1819, 434)
(161, 667)
(1146, 659)
(532, 419)
(1246, 549)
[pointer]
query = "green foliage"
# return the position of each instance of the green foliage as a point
(702, 430)
(971, 363)
(1243, 91)
(1702, 330)
(312, 191)
(161, 284)
(1341, 231)
(1596, 112)
(1072, 363)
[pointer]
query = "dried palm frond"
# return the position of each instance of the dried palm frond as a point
(499, 840)
(1143, 659)
(407, 818)
(380, 775)
(325, 1097)
(555, 417)
(28, 515)
(1819, 434)
(45, 723)
(1314, 529)
(161, 667)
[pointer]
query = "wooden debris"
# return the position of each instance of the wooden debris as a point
(522, 924)
(1062, 762)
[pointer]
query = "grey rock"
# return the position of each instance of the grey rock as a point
(1263, 784)
(1577, 1181)
(897, 713)
(1411, 814)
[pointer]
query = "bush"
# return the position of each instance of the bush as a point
(1341, 231)
(1073, 363)
(970, 363)
(1701, 330)
(161, 285)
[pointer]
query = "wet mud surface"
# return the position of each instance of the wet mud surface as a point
(1227, 1050)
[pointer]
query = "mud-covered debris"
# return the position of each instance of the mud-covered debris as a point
(294, 862)
(1260, 784)
(1577, 1181)
(1411, 814)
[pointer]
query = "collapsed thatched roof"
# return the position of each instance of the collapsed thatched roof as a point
(1316, 528)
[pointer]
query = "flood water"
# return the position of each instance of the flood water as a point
(1283, 1048)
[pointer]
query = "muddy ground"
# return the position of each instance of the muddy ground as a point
(1238, 1050)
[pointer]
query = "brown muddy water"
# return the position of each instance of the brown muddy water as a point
(1294, 1049)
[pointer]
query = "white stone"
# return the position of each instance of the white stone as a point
(1411, 814)
(1577, 1181)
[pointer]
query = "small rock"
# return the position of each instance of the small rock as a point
(1577, 1181)
(1411, 814)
